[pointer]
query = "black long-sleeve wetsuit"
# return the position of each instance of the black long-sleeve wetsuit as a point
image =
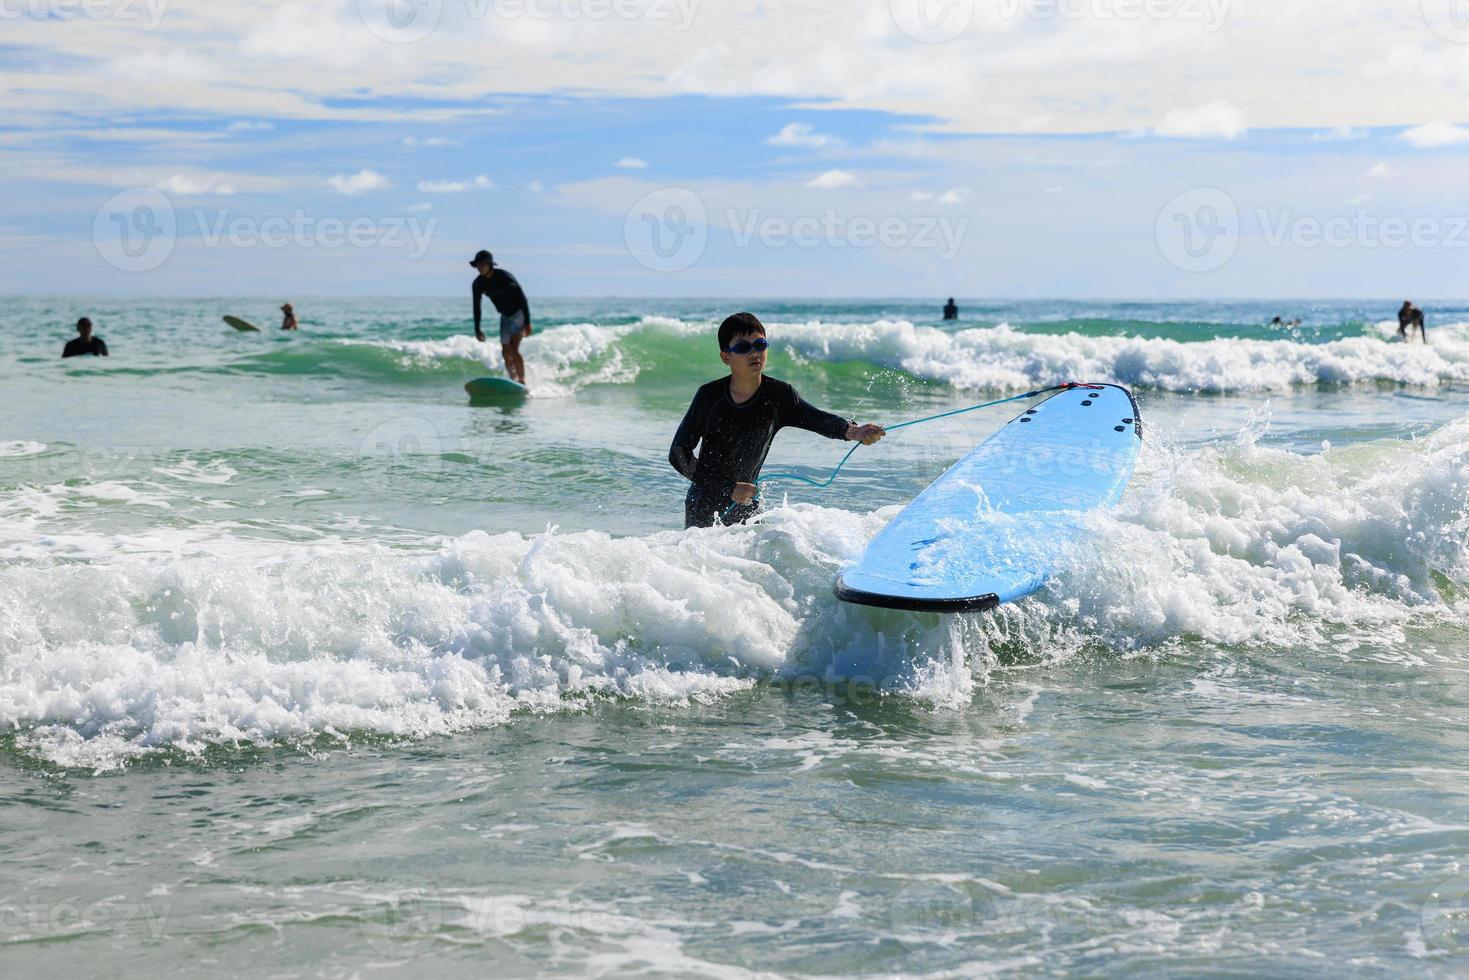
(504, 291)
(736, 439)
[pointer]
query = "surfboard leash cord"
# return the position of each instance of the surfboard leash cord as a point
(1068, 386)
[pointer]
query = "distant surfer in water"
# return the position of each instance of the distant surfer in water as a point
(951, 310)
(84, 343)
(736, 418)
(289, 323)
(510, 302)
(1409, 317)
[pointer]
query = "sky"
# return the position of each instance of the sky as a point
(1139, 149)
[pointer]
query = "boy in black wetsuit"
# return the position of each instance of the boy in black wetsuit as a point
(84, 343)
(737, 418)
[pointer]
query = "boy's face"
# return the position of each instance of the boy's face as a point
(747, 365)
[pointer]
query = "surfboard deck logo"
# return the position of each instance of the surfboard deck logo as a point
(990, 530)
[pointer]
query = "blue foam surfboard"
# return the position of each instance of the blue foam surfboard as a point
(495, 389)
(990, 529)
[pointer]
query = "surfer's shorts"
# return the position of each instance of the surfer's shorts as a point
(705, 508)
(512, 326)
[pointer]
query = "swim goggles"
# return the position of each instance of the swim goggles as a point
(745, 346)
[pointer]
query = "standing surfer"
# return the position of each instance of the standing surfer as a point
(1409, 317)
(510, 302)
(736, 418)
(951, 310)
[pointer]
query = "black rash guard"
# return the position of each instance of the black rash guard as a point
(736, 439)
(502, 289)
(77, 347)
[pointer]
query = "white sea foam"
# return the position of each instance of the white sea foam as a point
(565, 359)
(186, 637)
(1002, 358)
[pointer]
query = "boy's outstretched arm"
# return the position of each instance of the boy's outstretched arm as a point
(803, 415)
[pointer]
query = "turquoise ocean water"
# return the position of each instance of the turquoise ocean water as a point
(308, 667)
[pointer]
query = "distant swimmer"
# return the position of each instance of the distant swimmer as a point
(1409, 317)
(736, 419)
(514, 309)
(1278, 322)
(951, 310)
(289, 323)
(85, 343)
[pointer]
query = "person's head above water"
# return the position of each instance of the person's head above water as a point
(84, 327)
(482, 261)
(743, 346)
(286, 308)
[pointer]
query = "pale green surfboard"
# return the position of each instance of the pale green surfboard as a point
(243, 326)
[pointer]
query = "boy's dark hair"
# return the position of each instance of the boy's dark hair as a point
(739, 325)
(83, 323)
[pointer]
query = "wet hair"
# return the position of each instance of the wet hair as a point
(83, 324)
(739, 325)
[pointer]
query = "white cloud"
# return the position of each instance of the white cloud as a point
(1381, 170)
(151, 66)
(1055, 189)
(631, 163)
(920, 196)
(247, 126)
(481, 182)
(802, 134)
(535, 186)
(1215, 120)
(419, 207)
(834, 180)
(957, 195)
(193, 185)
(1340, 134)
(363, 180)
(1435, 134)
(431, 141)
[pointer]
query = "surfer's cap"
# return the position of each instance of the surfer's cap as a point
(481, 257)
